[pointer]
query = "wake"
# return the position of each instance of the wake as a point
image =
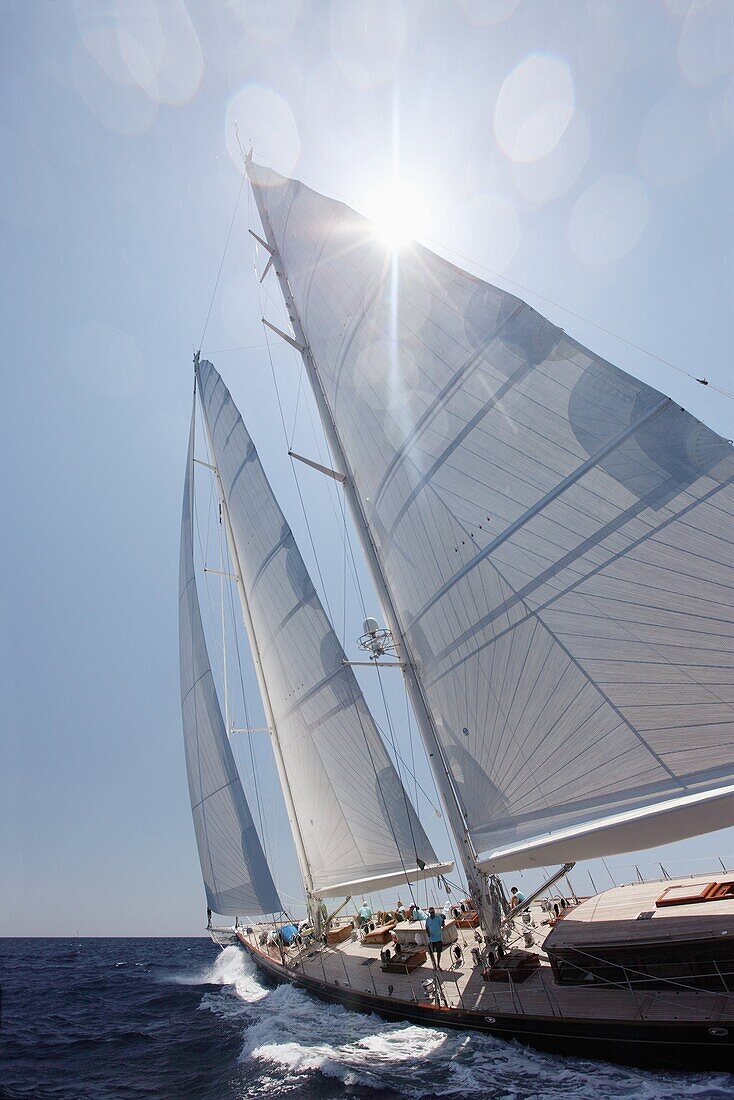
(283, 1026)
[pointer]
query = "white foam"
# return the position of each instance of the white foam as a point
(231, 967)
(288, 1029)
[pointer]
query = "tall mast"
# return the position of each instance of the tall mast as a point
(478, 882)
(303, 862)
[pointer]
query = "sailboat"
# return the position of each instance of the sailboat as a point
(551, 543)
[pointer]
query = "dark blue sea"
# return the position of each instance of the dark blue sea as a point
(179, 1018)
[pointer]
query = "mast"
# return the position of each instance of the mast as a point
(303, 862)
(483, 894)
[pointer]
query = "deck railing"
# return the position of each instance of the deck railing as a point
(647, 999)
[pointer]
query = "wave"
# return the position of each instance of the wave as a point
(230, 968)
(287, 1028)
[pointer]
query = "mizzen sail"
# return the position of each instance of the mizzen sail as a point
(358, 827)
(556, 537)
(237, 879)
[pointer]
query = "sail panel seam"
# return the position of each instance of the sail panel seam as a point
(520, 594)
(559, 489)
(461, 375)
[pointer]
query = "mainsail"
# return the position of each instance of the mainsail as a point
(236, 875)
(555, 535)
(358, 827)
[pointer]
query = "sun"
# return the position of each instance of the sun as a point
(397, 213)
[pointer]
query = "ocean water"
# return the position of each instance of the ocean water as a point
(141, 1018)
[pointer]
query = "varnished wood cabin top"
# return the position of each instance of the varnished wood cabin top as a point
(612, 917)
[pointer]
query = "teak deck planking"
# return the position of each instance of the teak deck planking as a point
(357, 966)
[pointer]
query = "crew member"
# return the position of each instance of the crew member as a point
(434, 928)
(365, 914)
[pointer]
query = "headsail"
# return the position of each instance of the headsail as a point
(359, 830)
(236, 875)
(556, 537)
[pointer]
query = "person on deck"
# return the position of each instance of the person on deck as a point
(516, 897)
(434, 928)
(288, 933)
(208, 918)
(399, 911)
(418, 913)
(365, 914)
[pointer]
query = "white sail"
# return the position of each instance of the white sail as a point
(236, 876)
(358, 827)
(556, 537)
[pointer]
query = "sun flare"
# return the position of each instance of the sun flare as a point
(397, 213)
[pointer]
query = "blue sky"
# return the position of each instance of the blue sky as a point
(581, 151)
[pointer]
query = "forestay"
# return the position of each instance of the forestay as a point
(236, 875)
(358, 827)
(555, 534)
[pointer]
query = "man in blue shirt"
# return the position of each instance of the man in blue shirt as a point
(434, 927)
(516, 897)
(365, 914)
(288, 933)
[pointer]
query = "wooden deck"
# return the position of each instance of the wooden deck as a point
(614, 917)
(356, 966)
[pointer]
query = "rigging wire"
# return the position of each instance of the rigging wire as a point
(449, 833)
(348, 547)
(411, 743)
(233, 618)
(204, 546)
(224, 253)
(580, 317)
(397, 764)
(285, 435)
(298, 399)
(344, 597)
(336, 498)
(256, 779)
(204, 556)
(275, 791)
(352, 680)
(242, 347)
